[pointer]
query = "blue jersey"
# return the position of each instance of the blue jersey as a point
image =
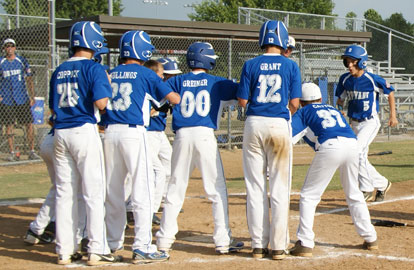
(202, 99)
(268, 82)
(362, 93)
(74, 87)
(319, 122)
(13, 84)
(133, 87)
(158, 123)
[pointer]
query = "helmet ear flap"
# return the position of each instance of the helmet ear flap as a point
(362, 64)
(345, 63)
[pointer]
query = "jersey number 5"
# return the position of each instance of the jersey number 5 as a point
(273, 81)
(201, 103)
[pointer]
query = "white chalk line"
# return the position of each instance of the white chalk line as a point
(225, 259)
(337, 210)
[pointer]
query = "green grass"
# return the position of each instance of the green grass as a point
(396, 167)
(24, 185)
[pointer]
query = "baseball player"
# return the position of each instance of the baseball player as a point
(79, 87)
(362, 89)
(290, 47)
(194, 121)
(126, 146)
(42, 229)
(271, 86)
(327, 131)
(158, 141)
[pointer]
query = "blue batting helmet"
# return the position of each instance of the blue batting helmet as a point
(86, 34)
(356, 52)
(201, 55)
(274, 33)
(97, 57)
(136, 45)
(170, 66)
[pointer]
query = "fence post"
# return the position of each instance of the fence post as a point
(389, 51)
(248, 17)
(110, 8)
(323, 23)
(228, 107)
(17, 13)
(301, 61)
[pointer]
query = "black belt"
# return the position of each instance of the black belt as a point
(361, 120)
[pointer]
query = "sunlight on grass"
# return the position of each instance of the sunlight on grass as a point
(397, 167)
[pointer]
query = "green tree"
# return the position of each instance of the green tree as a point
(350, 23)
(226, 11)
(373, 15)
(71, 9)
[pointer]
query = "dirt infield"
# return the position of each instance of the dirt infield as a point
(337, 244)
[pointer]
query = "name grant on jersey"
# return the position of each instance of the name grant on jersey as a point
(194, 83)
(270, 66)
(67, 74)
(124, 75)
(8, 73)
(357, 95)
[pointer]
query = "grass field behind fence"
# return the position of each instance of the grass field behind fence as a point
(397, 167)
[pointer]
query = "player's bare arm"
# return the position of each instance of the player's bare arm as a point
(173, 98)
(243, 102)
(340, 105)
(293, 105)
(30, 88)
(101, 103)
(393, 121)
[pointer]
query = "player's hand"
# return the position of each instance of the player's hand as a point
(393, 121)
(32, 102)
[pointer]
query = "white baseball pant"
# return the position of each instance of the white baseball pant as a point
(79, 164)
(126, 152)
(267, 143)
(161, 152)
(369, 178)
(335, 153)
(195, 147)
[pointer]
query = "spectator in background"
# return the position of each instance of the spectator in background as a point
(16, 100)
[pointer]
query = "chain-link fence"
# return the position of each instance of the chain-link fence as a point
(318, 62)
(24, 68)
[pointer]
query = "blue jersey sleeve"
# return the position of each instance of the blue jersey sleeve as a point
(243, 91)
(27, 70)
(299, 127)
(383, 84)
(100, 83)
(340, 89)
(296, 86)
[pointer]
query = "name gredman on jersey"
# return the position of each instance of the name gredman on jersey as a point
(194, 83)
